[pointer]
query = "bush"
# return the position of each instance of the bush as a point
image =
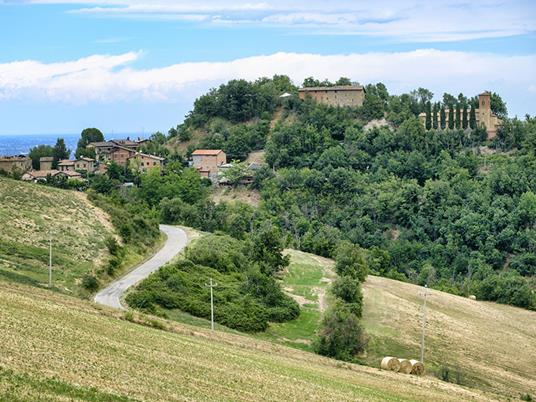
(90, 283)
(350, 260)
(349, 290)
(341, 335)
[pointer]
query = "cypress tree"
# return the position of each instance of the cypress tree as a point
(464, 117)
(458, 116)
(472, 118)
(60, 152)
(434, 116)
(428, 115)
(451, 117)
(442, 118)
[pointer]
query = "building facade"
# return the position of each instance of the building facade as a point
(10, 164)
(45, 163)
(83, 163)
(208, 161)
(347, 95)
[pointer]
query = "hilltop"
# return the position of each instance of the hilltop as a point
(31, 213)
(59, 347)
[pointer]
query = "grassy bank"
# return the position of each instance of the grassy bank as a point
(56, 347)
(30, 215)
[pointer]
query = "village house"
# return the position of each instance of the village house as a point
(208, 161)
(45, 162)
(146, 162)
(484, 116)
(105, 150)
(11, 164)
(343, 95)
(83, 163)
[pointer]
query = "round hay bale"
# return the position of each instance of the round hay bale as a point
(390, 363)
(405, 366)
(417, 367)
(472, 297)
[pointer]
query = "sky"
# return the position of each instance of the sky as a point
(138, 65)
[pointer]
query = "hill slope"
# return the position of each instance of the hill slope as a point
(57, 347)
(485, 345)
(30, 212)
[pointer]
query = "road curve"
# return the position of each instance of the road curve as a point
(176, 241)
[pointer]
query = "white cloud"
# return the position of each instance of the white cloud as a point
(105, 78)
(417, 20)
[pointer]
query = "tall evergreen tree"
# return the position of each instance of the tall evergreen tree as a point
(458, 115)
(428, 109)
(434, 116)
(451, 117)
(442, 118)
(464, 117)
(60, 152)
(472, 118)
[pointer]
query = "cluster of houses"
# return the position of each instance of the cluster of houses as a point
(124, 152)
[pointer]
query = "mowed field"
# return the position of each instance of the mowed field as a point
(57, 347)
(29, 214)
(482, 344)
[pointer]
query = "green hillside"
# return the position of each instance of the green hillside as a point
(55, 347)
(30, 213)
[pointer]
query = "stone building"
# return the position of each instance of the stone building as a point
(45, 162)
(346, 95)
(10, 164)
(146, 161)
(83, 163)
(484, 115)
(208, 161)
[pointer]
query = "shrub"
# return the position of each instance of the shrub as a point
(90, 283)
(351, 261)
(348, 290)
(341, 335)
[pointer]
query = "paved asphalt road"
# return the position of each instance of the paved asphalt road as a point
(176, 241)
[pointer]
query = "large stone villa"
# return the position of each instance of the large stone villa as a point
(484, 115)
(344, 95)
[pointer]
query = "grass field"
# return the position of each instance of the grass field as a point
(484, 345)
(306, 280)
(56, 347)
(29, 212)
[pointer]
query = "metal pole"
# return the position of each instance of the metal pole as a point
(423, 322)
(49, 260)
(211, 286)
(211, 307)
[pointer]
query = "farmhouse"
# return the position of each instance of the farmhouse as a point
(10, 164)
(484, 116)
(208, 161)
(344, 95)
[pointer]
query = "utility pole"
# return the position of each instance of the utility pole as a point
(49, 259)
(423, 322)
(211, 286)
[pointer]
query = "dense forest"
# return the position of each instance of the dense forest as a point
(442, 207)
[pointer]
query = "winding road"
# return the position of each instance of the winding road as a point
(176, 241)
